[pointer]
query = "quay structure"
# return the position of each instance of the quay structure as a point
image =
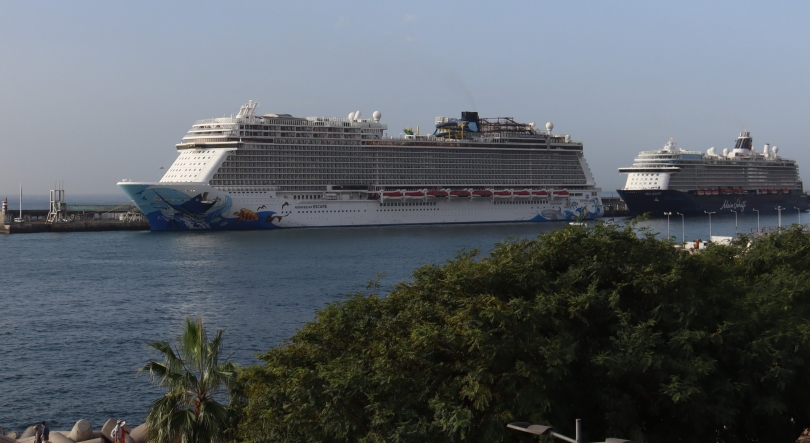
(63, 217)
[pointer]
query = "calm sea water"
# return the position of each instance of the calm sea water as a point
(76, 310)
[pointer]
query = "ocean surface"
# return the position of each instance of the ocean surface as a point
(78, 309)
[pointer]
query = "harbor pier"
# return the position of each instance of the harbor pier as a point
(75, 218)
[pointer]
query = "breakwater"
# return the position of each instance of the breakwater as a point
(82, 431)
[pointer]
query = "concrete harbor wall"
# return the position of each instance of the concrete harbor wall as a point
(35, 220)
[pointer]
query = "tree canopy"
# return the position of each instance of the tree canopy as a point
(606, 324)
(193, 375)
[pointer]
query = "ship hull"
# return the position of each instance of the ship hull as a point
(174, 207)
(657, 202)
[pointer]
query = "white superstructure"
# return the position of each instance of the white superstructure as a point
(253, 171)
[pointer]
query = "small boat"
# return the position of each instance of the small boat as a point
(738, 191)
(393, 194)
(461, 193)
(482, 193)
(763, 191)
(700, 192)
(785, 191)
(772, 191)
(437, 194)
(715, 192)
(540, 193)
(414, 194)
(523, 194)
(560, 193)
(502, 194)
(725, 191)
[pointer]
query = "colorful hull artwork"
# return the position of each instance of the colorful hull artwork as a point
(200, 207)
(169, 209)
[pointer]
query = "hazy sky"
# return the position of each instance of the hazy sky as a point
(93, 92)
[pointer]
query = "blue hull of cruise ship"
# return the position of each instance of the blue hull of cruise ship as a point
(168, 209)
(657, 202)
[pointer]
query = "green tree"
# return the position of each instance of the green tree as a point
(606, 324)
(193, 375)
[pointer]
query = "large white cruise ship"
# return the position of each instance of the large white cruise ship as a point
(278, 171)
(692, 182)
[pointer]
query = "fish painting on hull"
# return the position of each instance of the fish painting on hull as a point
(246, 215)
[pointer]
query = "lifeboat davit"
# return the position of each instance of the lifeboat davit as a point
(482, 193)
(560, 193)
(540, 193)
(502, 194)
(523, 194)
(437, 194)
(393, 194)
(461, 193)
(414, 194)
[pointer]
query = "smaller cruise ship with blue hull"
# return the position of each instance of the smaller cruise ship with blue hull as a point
(691, 182)
(279, 171)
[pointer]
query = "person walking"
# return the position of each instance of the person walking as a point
(37, 434)
(46, 432)
(123, 432)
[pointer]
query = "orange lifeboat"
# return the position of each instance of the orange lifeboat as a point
(540, 193)
(483, 193)
(393, 194)
(523, 193)
(700, 192)
(461, 193)
(414, 194)
(502, 194)
(437, 194)
(560, 193)
(715, 192)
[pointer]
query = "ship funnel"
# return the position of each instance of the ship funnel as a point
(767, 149)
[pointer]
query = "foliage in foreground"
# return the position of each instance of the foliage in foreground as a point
(621, 330)
(193, 375)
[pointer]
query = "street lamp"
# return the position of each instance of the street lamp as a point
(799, 211)
(668, 214)
(757, 221)
(548, 430)
(683, 237)
(779, 210)
(735, 221)
(710, 223)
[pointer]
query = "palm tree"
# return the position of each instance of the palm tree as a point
(193, 376)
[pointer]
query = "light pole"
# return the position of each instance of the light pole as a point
(530, 428)
(668, 214)
(757, 220)
(683, 237)
(735, 221)
(779, 210)
(710, 223)
(799, 211)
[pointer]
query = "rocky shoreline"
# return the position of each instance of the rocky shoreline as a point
(82, 432)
